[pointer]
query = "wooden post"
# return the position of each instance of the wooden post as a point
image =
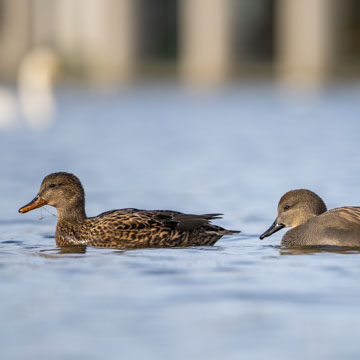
(99, 35)
(304, 36)
(109, 40)
(42, 22)
(204, 41)
(14, 36)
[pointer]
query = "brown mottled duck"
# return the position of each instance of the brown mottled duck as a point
(124, 228)
(312, 224)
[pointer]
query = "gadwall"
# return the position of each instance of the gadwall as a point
(312, 224)
(125, 228)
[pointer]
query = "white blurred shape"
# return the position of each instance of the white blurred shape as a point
(37, 73)
(8, 113)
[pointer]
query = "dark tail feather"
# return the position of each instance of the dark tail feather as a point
(230, 232)
(212, 216)
(219, 229)
(188, 222)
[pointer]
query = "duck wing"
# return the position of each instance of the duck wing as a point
(336, 227)
(347, 216)
(134, 219)
(185, 222)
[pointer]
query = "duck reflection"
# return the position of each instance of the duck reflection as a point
(312, 250)
(68, 250)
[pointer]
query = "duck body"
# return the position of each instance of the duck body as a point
(123, 228)
(133, 228)
(336, 227)
(312, 224)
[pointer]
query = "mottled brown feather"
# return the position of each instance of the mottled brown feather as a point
(123, 228)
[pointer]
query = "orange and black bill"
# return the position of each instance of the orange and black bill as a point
(33, 204)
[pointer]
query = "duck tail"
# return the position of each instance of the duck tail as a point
(212, 216)
(213, 229)
(229, 232)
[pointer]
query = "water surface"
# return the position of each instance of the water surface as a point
(235, 151)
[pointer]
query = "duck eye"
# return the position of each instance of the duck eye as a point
(52, 185)
(287, 207)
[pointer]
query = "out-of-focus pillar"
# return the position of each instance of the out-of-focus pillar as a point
(68, 32)
(108, 40)
(98, 35)
(204, 41)
(304, 36)
(14, 35)
(42, 22)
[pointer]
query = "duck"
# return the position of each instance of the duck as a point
(122, 228)
(312, 224)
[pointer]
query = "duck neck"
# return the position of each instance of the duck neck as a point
(301, 220)
(73, 213)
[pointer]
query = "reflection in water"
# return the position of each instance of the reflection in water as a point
(63, 250)
(309, 250)
(11, 242)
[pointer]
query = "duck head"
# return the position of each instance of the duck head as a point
(63, 191)
(295, 208)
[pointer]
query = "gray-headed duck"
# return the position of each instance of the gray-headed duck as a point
(312, 224)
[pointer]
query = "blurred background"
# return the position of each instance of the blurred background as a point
(203, 42)
(202, 45)
(192, 105)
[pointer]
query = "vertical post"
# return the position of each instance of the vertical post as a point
(42, 22)
(14, 35)
(304, 35)
(109, 40)
(204, 41)
(68, 32)
(99, 35)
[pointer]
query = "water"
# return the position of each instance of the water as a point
(235, 151)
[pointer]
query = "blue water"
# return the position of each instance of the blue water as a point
(234, 151)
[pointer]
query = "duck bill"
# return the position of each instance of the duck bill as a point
(33, 204)
(272, 229)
